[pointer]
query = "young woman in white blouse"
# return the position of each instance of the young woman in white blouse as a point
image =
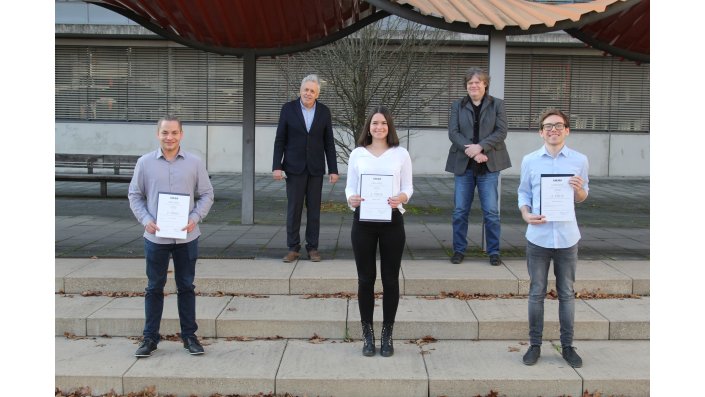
(378, 152)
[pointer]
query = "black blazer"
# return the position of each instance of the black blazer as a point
(296, 149)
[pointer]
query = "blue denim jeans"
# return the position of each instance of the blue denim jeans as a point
(157, 257)
(489, 201)
(538, 260)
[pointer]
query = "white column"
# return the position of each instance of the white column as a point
(497, 62)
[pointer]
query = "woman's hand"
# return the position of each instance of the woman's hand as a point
(395, 201)
(355, 200)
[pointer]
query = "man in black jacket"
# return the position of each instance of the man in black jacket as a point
(302, 146)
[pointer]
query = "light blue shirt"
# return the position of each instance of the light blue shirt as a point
(567, 161)
(308, 114)
(186, 174)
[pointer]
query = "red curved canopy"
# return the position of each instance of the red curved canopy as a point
(275, 27)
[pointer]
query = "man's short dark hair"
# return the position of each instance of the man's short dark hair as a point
(168, 117)
(554, 112)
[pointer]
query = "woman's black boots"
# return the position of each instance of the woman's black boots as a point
(387, 348)
(368, 336)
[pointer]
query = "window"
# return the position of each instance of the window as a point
(143, 83)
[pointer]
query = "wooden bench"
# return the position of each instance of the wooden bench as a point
(122, 167)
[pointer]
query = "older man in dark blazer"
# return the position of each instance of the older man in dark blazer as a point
(303, 144)
(477, 129)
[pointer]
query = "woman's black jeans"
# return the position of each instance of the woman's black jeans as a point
(391, 239)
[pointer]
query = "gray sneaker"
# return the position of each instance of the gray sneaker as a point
(570, 356)
(532, 355)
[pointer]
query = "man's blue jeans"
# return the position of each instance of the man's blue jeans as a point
(157, 256)
(538, 260)
(489, 201)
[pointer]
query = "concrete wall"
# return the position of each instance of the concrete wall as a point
(619, 154)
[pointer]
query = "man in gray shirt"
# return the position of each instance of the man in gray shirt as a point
(170, 169)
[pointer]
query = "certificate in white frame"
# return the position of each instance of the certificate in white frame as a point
(375, 189)
(172, 215)
(557, 201)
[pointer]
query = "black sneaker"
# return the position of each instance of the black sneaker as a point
(572, 357)
(146, 348)
(532, 355)
(457, 258)
(191, 344)
(495, 260)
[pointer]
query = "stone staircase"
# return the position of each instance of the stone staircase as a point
(273, 327)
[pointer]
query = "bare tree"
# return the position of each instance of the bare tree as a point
(381, 64)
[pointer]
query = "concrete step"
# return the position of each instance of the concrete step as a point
(300, 316)
(417, 277)
(336, 368)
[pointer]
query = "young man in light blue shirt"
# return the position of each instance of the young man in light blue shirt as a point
(551, 240)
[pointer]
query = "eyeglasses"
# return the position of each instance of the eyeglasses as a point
(548, 127)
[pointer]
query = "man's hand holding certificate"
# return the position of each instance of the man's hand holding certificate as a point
(172, 215)
(557, 197)
(375, 190)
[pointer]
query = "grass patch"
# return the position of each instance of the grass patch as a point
(334, 207)
(427, 210)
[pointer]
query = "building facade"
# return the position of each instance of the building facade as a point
(114, 79)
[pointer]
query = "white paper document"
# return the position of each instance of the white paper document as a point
(557, 198)
(172, 215)
(375, 189)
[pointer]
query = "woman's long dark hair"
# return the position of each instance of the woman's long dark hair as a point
(365, 138)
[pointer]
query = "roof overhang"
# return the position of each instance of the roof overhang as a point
(277, 27)
(513, 17)
(625, 34)
(236, 27)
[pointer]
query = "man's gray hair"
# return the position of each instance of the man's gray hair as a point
(311, 77)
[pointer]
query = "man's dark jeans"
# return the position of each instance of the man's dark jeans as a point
(157, 257)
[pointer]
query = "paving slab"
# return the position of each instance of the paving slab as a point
(339, 369)
(629, 318)
(474, 368)
(114, 275)
(431, 277)
(288, 316)
(125, 316)
(71, 311)
(227, 367)
(98, 363)
(63, 267)
(639, 271)
(418, 317)
(329, 277)
(590, 276)
(508, 319)
(615, 368)
(243, 276)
